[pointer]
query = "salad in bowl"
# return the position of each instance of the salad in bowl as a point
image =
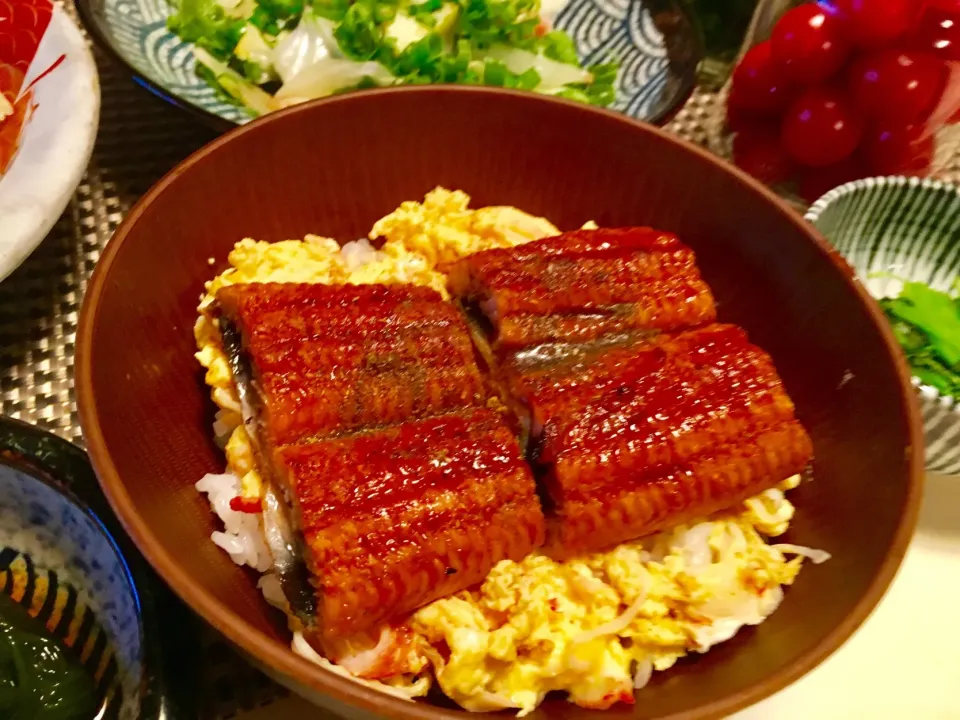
(270, 54)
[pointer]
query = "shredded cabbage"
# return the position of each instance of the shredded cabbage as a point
(328, 75)
(812, 554)
(554, 75)
(642, 674)
(417, 688)
(309, 43)
(622, 621)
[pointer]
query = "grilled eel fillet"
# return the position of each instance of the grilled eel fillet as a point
(389, 514)
(582, 285)
(396, 518)
(644, 438)
(632, 431)
(323, 360)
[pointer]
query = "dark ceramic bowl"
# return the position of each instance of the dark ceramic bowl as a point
(331, 168)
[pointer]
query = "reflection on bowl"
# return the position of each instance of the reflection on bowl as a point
(892, 229)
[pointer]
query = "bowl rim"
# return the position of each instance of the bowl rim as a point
(95, 29)
(854, 186)
(282, 659)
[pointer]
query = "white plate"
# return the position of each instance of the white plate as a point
(56, 144)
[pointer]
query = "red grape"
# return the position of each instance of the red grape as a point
(739, 118)
(901, 86)
(758, 85)
(818, 181)
(808, 44)
(875, 23)
(758, 152)
(821, 127)
(896, 149)
(938, 31)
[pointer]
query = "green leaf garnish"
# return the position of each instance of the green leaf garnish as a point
(926, 323)
(205, 23)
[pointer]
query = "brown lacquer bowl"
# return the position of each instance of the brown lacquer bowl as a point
(335, 166)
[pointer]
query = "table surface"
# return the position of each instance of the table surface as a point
(140, 139)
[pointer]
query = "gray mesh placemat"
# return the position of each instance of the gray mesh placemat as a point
(140, 139)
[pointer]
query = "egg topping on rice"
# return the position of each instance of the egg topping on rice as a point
(595, 627)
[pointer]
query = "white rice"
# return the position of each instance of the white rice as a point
(222, 429)
(269, 585)
(358, 253)
(242, 536)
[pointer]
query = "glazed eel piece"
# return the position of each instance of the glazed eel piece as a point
(327, 359)
(582, 285)
(646, 437)
(396, 518)
(313, 361)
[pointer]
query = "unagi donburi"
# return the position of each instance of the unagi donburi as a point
(496, 457)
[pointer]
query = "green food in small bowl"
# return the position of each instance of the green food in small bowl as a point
(927, 325)
(39, 678)
(902, 237)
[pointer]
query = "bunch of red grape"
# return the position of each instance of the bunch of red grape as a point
(845, 89)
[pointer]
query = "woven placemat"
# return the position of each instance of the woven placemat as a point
(140, 139)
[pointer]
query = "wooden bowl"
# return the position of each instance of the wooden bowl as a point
(333, 167)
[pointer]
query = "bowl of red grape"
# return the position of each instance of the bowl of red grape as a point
(833, 91)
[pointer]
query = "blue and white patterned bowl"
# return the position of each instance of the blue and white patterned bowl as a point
(70, 564)
(56, 556)
(655, 42)
(910, 229)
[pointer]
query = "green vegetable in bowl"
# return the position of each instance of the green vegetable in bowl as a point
(39, 678)
(267, 54)
(927, 325)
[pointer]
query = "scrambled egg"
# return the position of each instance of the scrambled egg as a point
(442, 228)
(596, 626)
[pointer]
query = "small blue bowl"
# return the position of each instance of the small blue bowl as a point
(896, 228)
(57, 558)
(655, 41)
(68, 563)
